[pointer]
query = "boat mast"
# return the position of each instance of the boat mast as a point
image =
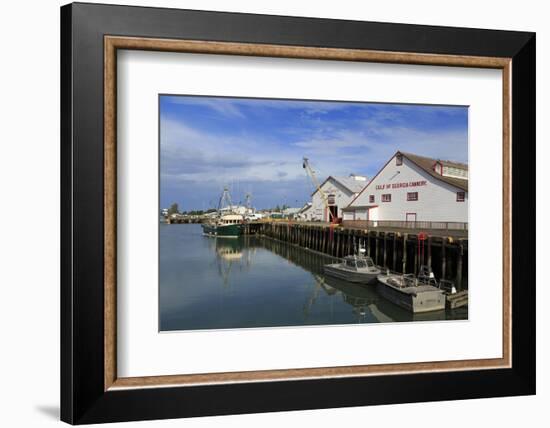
(225, 197)
(248, 202)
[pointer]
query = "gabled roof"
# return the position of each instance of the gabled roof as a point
(350, 183)
(427, 165)
(306, 207)
(291, 210)
(453, 164)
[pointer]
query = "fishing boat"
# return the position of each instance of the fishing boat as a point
(225, 223)
(357, 269)
(409, 293)
(229, 225)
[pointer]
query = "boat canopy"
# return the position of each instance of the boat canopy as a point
(358, 262)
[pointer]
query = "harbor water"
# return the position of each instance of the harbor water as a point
(254, 281)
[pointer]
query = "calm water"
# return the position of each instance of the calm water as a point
(214, 283)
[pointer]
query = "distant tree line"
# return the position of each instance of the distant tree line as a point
(279, 208)
(174, 209)
(199, 212)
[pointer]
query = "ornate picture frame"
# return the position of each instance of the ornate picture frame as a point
(91, 390)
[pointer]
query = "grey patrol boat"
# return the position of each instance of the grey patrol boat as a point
(357, 269)
(409, 293)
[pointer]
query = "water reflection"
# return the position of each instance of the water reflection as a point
(258, 282)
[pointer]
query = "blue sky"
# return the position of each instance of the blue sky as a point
(257, 145)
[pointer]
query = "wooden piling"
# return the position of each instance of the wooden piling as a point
(394, 258)
(404, 268)
(416, 256)
(443, 257)
(459, 266)
(385, 248)
(368, 243)
(376, 247)
(430, 251)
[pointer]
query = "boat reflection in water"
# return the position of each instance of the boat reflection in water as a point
(249, 281)
(230, 254)
(367, 304)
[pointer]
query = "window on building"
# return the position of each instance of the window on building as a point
(412, 196)
(386, 197)
(331, 199)
(399, 160)
(371, 199)
(460, 196)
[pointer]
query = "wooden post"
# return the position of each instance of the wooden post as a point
(443, 257)
(404, 268)
(394, 258)
(318, 238)
(430, 251)
(416, 255)
(314, 237)
(459, 266)
(376, 244)
(385, 248)
(368, 243)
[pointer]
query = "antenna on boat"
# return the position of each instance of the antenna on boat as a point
(225, 197)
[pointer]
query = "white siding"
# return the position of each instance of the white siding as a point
(348, 215)
(342, 199)
(436, 199)
(361, 214)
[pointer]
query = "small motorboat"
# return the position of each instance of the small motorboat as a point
(409, 293)
(356, 269)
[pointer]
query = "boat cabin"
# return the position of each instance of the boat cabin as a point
(231, 219)
(354, 262)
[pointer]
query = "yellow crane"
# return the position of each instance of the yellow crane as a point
(311, 173)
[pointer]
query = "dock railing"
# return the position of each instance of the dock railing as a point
(415, 225)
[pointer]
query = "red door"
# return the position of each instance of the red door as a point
(334, 212)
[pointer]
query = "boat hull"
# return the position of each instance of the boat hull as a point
(424, 298)
(350, 276)
(224, 230)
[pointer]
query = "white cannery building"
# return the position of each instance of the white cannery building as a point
(305, 212)
(414, 188)
(339, 192)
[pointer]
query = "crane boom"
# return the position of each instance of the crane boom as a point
(311, 173)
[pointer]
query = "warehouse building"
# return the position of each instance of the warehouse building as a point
(413, 188)
(339, 192)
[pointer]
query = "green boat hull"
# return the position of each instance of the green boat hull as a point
(224, 230)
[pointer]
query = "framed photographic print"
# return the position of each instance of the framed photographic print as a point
(265, 213)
